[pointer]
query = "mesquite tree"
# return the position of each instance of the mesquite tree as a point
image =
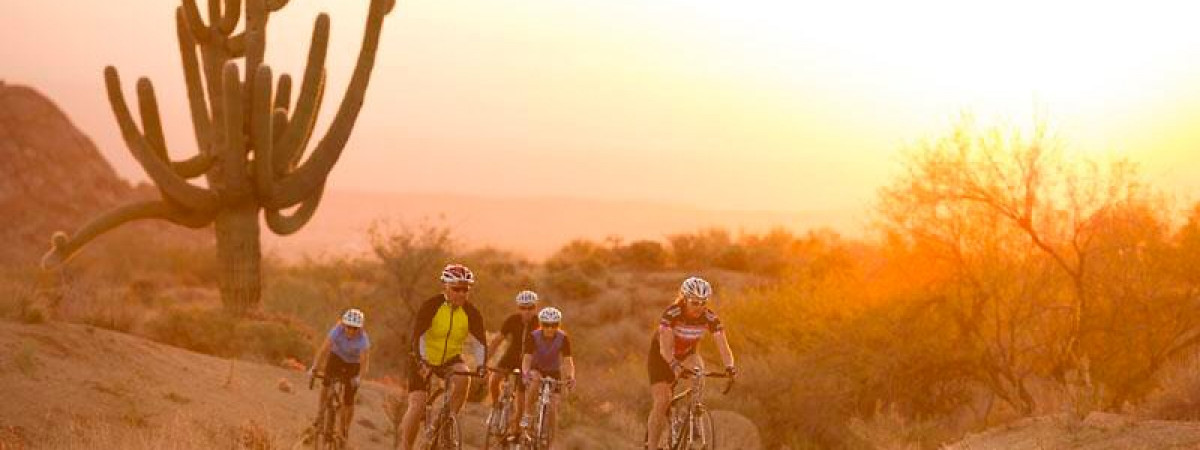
(251, 139)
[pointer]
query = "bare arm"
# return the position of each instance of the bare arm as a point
(322, 353)
(526, 363)
(569, 368)
(666, 344)
(495, 344)
(723, 347)
(366, 362)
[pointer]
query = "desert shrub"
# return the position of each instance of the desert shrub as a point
(583, 255)
(571, 282)
(213, 332)
(642, 255)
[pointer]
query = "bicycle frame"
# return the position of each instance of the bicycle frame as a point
(500, 414)
(540, 439)
(686, 426)
(325, 428)
(434, 426)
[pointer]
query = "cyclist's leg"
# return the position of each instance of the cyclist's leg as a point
(518, 404)
(351, 390)
(418, 391)
(494, 379)
(531, 393)
(661, 380)
(459, 386)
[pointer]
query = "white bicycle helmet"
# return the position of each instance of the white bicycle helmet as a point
(527, 298)
(456, 273)
(550, 314)
(696, 287)
(353, 318)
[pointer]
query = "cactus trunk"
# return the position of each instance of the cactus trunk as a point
(238, 251)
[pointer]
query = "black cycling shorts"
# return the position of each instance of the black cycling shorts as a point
(510, 361)
(418, 383)
(658, 368)
(336, 369)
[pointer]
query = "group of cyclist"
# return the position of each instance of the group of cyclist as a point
(447, 325)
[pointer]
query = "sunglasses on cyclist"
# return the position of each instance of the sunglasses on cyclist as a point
(550, 325)
(693, 301)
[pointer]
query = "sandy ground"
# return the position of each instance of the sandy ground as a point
(77, 386)
(1099, 431)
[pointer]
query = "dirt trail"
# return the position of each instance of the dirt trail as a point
(1099, 431)
(77, 386)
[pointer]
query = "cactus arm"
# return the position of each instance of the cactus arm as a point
(214, 14)
(230, 17)
(194, 166)
(279, 121)
(234, 159)
(152, 124)
(261, 134)
(63, 247)
(151, 121)
(284, 225)
(256, 45)
(312, 88)
(305, 180)
(236, 45)
(171, 185)
(195, 23)
(201, 120)
(283, 92)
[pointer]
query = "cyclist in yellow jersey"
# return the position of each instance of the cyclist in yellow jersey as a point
(445, 326)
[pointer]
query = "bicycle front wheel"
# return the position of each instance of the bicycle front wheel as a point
(704, 435)
(450, 436)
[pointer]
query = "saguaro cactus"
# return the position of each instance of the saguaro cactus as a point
(251, 139)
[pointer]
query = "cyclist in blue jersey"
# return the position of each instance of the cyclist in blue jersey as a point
(344, 355)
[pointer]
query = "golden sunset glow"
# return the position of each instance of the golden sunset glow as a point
(790, 106)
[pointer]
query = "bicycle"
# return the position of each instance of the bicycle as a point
(325, 433)
(501, 413)
(541, 432)
(442, 432)
(691, 425)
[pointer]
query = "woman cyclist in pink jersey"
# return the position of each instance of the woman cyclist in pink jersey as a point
(673, 348)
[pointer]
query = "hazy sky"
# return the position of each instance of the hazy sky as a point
(749, 105)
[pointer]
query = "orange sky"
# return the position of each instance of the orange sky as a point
(749, 105)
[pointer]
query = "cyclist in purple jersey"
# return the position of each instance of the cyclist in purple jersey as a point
(673, 347)
(547, 354)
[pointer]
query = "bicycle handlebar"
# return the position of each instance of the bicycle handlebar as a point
(493, 369)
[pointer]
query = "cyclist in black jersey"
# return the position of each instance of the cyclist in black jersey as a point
(513, 331)
(673, 347)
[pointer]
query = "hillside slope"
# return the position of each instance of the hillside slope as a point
(77, 386)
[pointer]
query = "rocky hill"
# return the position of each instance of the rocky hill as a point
(52, 177)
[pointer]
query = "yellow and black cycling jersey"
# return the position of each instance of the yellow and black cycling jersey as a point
(442, 331)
